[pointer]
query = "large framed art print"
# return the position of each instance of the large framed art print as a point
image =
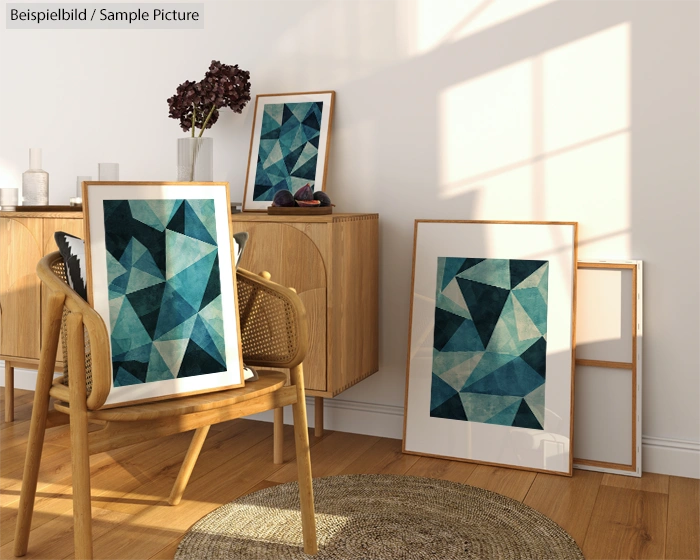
(160, 274)
(288, 146)
(491, 343)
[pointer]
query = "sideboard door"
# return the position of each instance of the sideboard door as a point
(293, 260)
(20, 291)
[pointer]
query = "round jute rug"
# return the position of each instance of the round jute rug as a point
(379, 517)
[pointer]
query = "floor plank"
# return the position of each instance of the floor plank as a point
(204, 494)
(119, 473)
(568, 501)
(261, 486)
(55, 466)
(330, 456)
(22, 408)
(509, 482)
(627, 524)
(650, 482)
(121, 497)
(454, 471)
(683, 538)
(384, 457)
(614, 517)
(168, 552)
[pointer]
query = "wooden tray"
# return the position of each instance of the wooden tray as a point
(29, 208)
(299, 210)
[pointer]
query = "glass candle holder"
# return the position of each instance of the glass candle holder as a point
(108, 172)
(9, 198)
(79, 185)
(77, 200)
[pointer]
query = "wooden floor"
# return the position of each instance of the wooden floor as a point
(609, 516)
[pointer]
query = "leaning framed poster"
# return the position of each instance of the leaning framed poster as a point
(288, 146)
(491, 343)
(160, 273)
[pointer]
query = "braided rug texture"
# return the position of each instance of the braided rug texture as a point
(379, 517)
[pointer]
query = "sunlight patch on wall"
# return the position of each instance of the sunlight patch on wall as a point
(586, 88)
(547, 138)
(591, 185)
(604, 330)
(431, 23)
(485, 124)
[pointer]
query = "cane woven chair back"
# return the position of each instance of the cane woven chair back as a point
(273, 326)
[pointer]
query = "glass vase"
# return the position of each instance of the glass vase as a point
(195, 159)
(35, 181)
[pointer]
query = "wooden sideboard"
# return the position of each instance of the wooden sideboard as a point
(331, 260)
(25, 237)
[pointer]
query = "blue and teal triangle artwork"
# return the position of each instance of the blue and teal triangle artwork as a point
(481, 408)
(200, 335)
(506, 416)
(189, 283)
(445, 401)
(288, 147)
(489, 341)
(448, 267)
(194, 227)
(165, 289)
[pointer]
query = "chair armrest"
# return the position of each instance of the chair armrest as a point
(51, 272)
(274, 331)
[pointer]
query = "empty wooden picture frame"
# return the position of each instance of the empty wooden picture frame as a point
(608, 407)
(160, 273)
(289, 145)
(490, 351)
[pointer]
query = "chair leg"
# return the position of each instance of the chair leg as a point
(80, 462)
(37, 426)
(278, 437)
(32, 462)
(9, 392)
(80, 455)
(183, 477)
(301, 441)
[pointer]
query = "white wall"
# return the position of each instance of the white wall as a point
(509, 109)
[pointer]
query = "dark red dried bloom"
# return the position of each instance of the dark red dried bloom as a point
(223, 86)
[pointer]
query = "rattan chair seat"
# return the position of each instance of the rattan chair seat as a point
(268, 382)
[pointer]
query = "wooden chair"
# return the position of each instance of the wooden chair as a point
(273, 333)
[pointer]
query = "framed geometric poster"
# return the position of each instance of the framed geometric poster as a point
(160, 273)
(288, 145)
(490, 352)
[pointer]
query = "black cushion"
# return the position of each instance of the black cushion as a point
(241, 238)
(73, 252)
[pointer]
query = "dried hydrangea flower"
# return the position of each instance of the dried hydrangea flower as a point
(197, 104)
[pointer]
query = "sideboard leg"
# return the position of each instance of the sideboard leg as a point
(318, 416)
(278, 437)
(9, 392)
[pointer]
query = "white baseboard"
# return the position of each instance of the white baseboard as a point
(671, 456)
(24, 378)
(659, 455)
(349, 416)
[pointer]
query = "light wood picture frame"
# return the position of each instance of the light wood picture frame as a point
(491, 343)
(289, 145)
(160, 272)
(609, 367)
